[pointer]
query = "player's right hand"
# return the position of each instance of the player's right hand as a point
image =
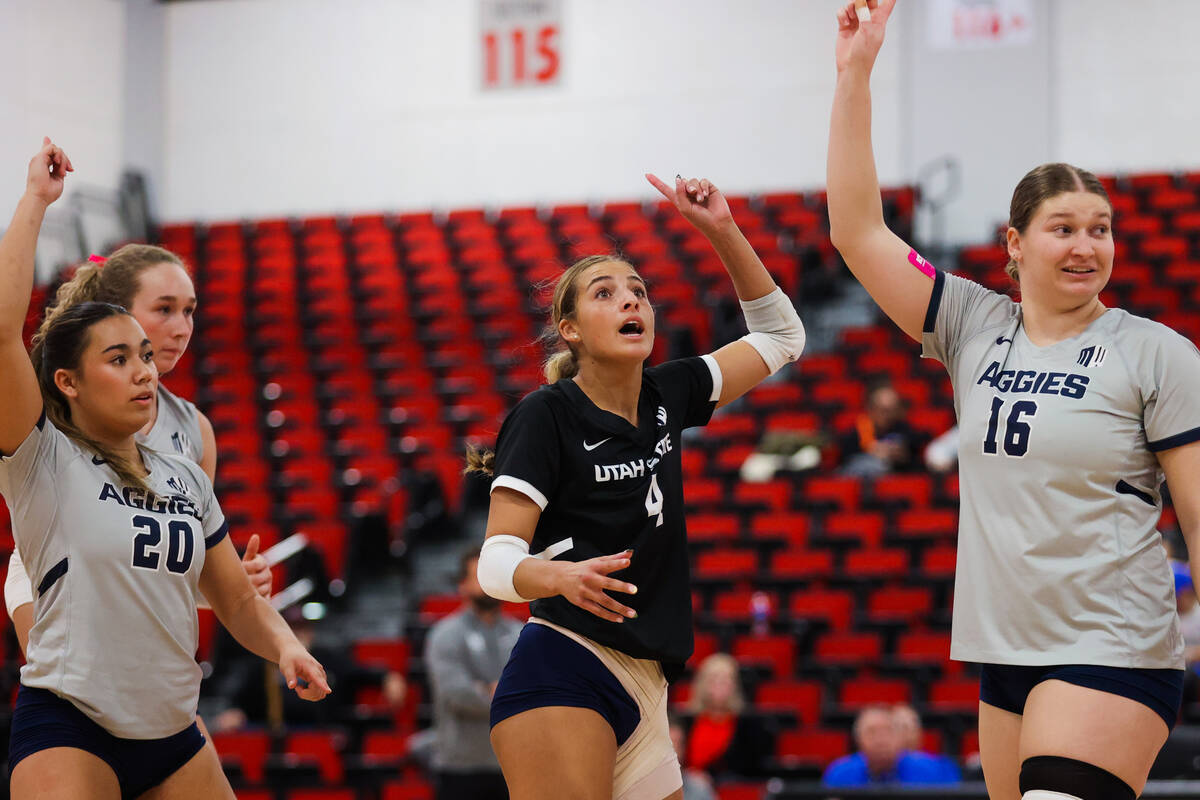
(584, 583)
(858, 44)
(47, 172)
(303, 673)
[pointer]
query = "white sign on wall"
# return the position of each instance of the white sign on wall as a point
(969, 24)
(521, 42)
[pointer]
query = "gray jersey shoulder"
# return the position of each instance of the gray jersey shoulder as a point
(176, 428)
(1059, 556)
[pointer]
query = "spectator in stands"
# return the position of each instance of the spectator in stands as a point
(723, 740)
(244, 676)
(696, 784)
(464, 656)
(908, 727)
(881, 756)
(882, 440)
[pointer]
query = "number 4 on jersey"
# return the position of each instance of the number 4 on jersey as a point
(1016, 435)
(654, 500)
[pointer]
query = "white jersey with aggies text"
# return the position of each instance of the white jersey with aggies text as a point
(1059, 557)
(115, 573)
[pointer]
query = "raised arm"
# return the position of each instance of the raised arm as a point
(776, 334)
(22, 400)
(888, 268)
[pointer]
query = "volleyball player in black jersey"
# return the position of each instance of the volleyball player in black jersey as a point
(587, 471)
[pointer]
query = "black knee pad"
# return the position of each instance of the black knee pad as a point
(1075, 778)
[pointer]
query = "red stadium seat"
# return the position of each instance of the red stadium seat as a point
(324, 748)
(778, 652)
(955, 694)
(727, 563)
(860, 692)
(246, 749)
(803, 698)
(899, 603)
(812, 746)
(832, 606)
(910, 491)
(792, 526)
(852, 649)
(407, 790)
(801, 565)
(390, 654)
(877, 563)
(924, 647)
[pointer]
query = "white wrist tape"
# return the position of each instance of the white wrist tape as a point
(776, 331)
(498, 560)
(17, 589)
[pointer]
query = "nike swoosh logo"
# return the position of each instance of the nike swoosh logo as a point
(591, 447)
(1002, 340)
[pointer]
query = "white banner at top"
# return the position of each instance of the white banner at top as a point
(973, 24)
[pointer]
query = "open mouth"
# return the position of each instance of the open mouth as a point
(632, 328)
(1079, 270)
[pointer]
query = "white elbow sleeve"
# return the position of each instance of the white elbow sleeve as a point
(776, 331)
(17, 589)
(498, 560)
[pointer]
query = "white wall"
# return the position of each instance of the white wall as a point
(1127, 84)
(61, 62)
(268, 107)
(295, 106)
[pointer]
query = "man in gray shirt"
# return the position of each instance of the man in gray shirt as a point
(464, 656)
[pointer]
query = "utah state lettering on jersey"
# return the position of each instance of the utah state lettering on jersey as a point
(1028, 381)
(638, 467)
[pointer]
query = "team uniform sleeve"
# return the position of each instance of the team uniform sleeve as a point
(211, 516)
(29, 482)
(959, 308)
(690, 387)
(527, 451)
(1171, 385)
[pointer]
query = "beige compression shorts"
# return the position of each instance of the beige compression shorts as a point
(647, 767)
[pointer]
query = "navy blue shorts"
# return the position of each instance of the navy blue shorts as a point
(1161, 690)
(42, 720)
(549, 669)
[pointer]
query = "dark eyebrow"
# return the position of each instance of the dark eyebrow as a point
(170, 298)
(1069, 215)
(124, 348)
(637, 278)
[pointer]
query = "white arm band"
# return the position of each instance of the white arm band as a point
(17, 589)
(498, 560)
(776, 331)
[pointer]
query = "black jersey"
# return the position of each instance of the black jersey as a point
(605, 486)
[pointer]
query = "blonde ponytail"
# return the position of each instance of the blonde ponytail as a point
(560, 365)
(480, 459)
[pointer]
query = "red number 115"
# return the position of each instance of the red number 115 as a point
(535, 61)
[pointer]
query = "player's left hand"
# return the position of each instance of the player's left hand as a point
(698, 200)
(303, 673)
(256, 568)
